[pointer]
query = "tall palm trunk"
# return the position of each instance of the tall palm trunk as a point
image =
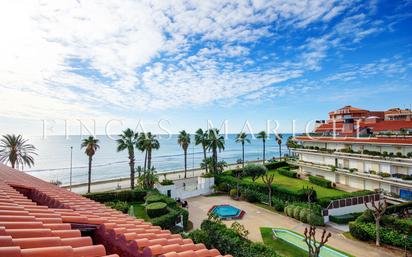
(149, 158)
(204, 155)
(185, 150)
(89, 174)
(214, 157)
(243, 155)
(264, 151)
(131, 164)
(145, 161)
(280, 152)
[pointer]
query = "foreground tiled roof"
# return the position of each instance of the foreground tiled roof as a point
(38, 219)
(371, 140)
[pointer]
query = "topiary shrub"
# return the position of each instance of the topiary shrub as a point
(296, 212)
(278, 204)
(320, 181)
(288, 173)
(303, 215)
(157, 209)
(250, 196)
(119, 205)
(154, 198)
(289, 210)
(315, 220)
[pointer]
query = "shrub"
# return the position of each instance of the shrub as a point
(167, 182)
(289, 210)
(154, 198)
(320, 181)
(409, 155)
(303, 215)
(399, 207)
(346, 218)
(278, 204)
(315, 220)
(169, 220)
(119, 205)
(157, 209)
(136, 195)
(223, 187)
(254, 170)
(333, 168)
(233, 192)
(296, 212)
(250, 196)
(227, 241)
(275, 165)
(288, 173)
(399, 154)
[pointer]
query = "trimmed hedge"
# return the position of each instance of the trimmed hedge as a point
(279, 192)
(227, 241)
(275, 165)
(324, 202)
(288, 173)
(346, 218)
(157, 209)
(398, 208)
(302, 212)
(154, 197)
(367, 232)
(320, 181)
(136, 195)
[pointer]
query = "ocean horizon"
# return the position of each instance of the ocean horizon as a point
(53, 160)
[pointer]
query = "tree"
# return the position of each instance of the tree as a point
(279, 141)
(238, 173)
(254, 171)
(149, 178)
(263, 135)
(148, 142)
(215, 142)
(184, 140)
(16, 151)
(268, 179)
(310, 240)
(91, 144)
(242, 138)
(201, 138)
(377, 211)
(128, 140)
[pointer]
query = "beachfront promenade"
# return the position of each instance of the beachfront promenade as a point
(124, 182)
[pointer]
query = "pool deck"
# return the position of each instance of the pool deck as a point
(257, 217)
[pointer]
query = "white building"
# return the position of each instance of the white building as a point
(366, 152)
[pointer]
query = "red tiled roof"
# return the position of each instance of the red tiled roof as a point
(38, 219)
(326, 127)
(390, 125)
(371, 140)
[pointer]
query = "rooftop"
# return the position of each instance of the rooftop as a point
(368, 140)
(38, 219)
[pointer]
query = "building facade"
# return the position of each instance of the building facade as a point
(362, 149)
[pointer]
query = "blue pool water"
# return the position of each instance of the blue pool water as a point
(226, 211)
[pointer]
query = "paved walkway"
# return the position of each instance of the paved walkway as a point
(257, 217)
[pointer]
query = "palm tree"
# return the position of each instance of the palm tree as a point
(91, 144)
(184, 140)
(215, 142)
(16, 151)
(128, 140)
(263, 135)
(148, 142)
(201, 137)
(242, 138)
(279, 141)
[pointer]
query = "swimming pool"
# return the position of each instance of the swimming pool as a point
(298, 241)
(226, 211)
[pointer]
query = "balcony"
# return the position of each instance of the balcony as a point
(392, 180)
(357, 156)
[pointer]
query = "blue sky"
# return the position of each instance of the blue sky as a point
(194, 61)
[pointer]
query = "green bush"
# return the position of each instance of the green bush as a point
(136, 195)
(250, 196)
(156, 197)
(275, 165)
(346, 218)
(288, 173)
(303, 215)
(119, 205)
(233, 192)
(315, 220)
(296, 212)
(320, 181)
(157, 209)
(227, 241)
(167, 182)
(223, 187)
(278, 204)
(171, 218)
(399, 207)
(289, 210)
(254, 170)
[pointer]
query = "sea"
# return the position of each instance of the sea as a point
(53, 161)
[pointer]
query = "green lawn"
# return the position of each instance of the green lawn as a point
(139, 211)
(280, 246)
(296, 184)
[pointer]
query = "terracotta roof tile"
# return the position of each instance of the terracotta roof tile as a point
(36, 220)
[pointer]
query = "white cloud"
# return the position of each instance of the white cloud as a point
(99, 58)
